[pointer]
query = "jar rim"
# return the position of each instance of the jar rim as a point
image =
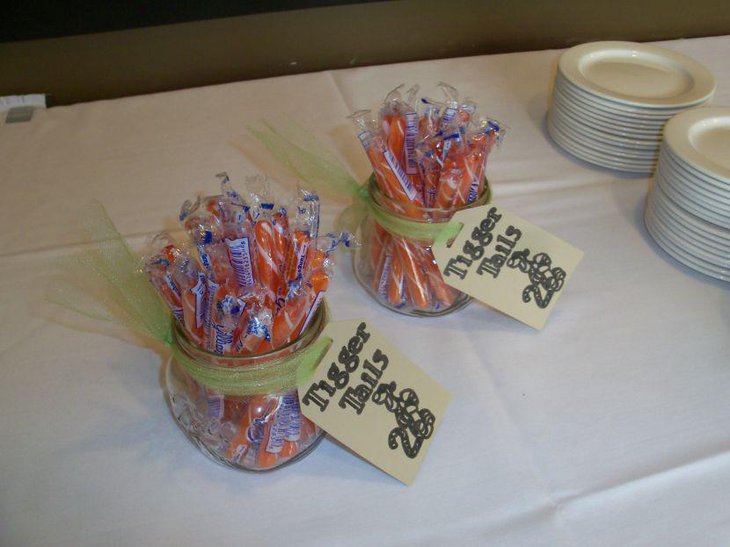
(255, 362)
(426, 212)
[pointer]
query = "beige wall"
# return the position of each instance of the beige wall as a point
(114, 64)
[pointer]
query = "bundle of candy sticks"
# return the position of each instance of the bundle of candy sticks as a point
(428, 159)
(260, 272)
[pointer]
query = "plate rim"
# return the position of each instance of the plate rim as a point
(689, 216)
(690, 205)
(681, 229)
(591, 158)
(645, 114)
(676, 136)
(710, 179)
(688, 224)
(692, 183)
(694, 263)
(573, 134)
(634, 144)
(636, 125)
(703, 81)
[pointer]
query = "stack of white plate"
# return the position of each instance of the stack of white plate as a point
(688, 207)
(612, 99)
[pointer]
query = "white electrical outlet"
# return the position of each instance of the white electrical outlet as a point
(37, 100)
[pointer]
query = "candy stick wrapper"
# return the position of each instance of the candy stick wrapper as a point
(193, 288)
(159, 267)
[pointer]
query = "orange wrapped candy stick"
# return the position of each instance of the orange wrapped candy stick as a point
(444, 294)
(268, 259)
(193, 288)
(288, 318)
(255, 333)
(282, 433)
(379, 238)
(293, 416)
(389, 280)
(319, 266)
(392, 179)
(159, 268)
(414, 278)
(381, 272)
(250, 435)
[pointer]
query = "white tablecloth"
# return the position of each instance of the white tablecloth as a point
(609, 427)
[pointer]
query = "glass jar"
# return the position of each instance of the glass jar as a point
(243, 412)
(399, 271)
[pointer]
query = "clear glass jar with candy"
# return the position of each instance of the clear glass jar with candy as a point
(395, 264)
(243, 411)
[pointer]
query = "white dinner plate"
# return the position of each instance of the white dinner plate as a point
(694, 246)
(692, 253)
(622, 126)
(694, 185)
(586, 155)
(720, 234)
(580, 143)
(713, 210)
(647, 114)
(701, 137)
(722, 221)
(637, 74)
(691, 242)
(680, 222)
(597, 131)
(639, 157)
(717, 183)
(625, 128)
(568, 145)
(719, 251)
(680, 254)
(634, 122)
(596, 138)
(720, 255)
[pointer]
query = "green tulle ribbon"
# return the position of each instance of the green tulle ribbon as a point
(104, 282)
(309, 161)
(306, 159)
(275, 376)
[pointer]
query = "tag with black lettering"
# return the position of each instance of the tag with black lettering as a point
(368, 396)
(507, 263)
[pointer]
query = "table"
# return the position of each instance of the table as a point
(609, 427)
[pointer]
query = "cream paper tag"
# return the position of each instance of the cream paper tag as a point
(369, 397)
(507, 263)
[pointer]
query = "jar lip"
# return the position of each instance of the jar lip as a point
(374, 190)
(313, 330)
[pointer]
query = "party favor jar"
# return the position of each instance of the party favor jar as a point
(395, 263)
(243, 412)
